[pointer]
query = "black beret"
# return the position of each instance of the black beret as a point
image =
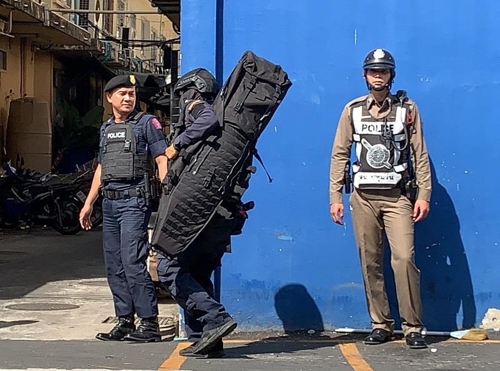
(120, 81)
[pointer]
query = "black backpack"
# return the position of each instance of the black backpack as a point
(217, 170)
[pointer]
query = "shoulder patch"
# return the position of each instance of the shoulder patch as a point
(409, 116)
(156, 123)
(410, 112)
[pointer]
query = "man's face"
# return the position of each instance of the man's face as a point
(122, 99)
(378, 78)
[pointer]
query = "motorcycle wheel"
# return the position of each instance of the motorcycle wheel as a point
(69, 222)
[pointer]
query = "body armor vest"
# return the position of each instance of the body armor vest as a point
(381, 147)
(121, 159)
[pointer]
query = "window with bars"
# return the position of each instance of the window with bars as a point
(120, 18)
(154, 36)
(143, 32)
(145, 35)
(133, 21)
(83, 19)
(108, 18)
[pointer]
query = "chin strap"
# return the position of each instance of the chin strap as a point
(387, 86)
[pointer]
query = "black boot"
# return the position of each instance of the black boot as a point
(124, 327)
(216, 352)
(147, 332)
(211, 337)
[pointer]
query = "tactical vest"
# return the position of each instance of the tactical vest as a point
(121, 159)
(381, 147)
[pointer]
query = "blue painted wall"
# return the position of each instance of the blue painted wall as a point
(293, 267)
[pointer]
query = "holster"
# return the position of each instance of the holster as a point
(409, 188)
(347, 178)
(155, 188)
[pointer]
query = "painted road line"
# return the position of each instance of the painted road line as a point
(175, 360)
(354, 358)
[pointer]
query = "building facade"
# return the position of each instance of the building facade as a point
(54, 54)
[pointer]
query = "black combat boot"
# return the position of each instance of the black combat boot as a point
(124, 327)
(211, 337)
(216, 352)
(147, 332)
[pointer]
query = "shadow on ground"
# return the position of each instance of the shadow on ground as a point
(4, 324)
(30, 260)
(300, 341)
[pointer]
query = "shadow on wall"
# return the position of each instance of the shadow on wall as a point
(445, 281)
(297, 310)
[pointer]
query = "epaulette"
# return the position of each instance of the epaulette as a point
(357, 100)
(105, 124)
(410, 102)
(193, 103)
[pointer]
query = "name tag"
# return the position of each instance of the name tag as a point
(377, 178)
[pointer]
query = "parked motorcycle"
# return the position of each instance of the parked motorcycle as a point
(29, 198)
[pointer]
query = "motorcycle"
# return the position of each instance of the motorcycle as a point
(34, 199)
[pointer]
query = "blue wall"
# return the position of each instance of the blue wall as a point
(293, 267)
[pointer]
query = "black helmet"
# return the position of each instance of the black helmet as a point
(379, 59)
(199, 79)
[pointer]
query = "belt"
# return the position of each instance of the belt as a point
(117, 195)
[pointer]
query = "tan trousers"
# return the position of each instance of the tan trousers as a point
(371, 217)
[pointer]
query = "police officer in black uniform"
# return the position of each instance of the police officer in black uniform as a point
(129, 141)
(187, 276)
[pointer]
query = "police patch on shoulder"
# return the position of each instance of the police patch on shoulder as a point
(156, 123)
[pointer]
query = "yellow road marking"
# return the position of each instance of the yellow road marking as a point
(348, 348)
(354, 358)
(174, 361)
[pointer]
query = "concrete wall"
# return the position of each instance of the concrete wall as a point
(9, 84)
(10, 80)
(19, 78)
(27, 65)
(292, 267)
(29, 73)
(44, 74)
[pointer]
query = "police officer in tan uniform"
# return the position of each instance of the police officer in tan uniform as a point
(392, 189)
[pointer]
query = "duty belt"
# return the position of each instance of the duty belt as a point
(117, 195)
